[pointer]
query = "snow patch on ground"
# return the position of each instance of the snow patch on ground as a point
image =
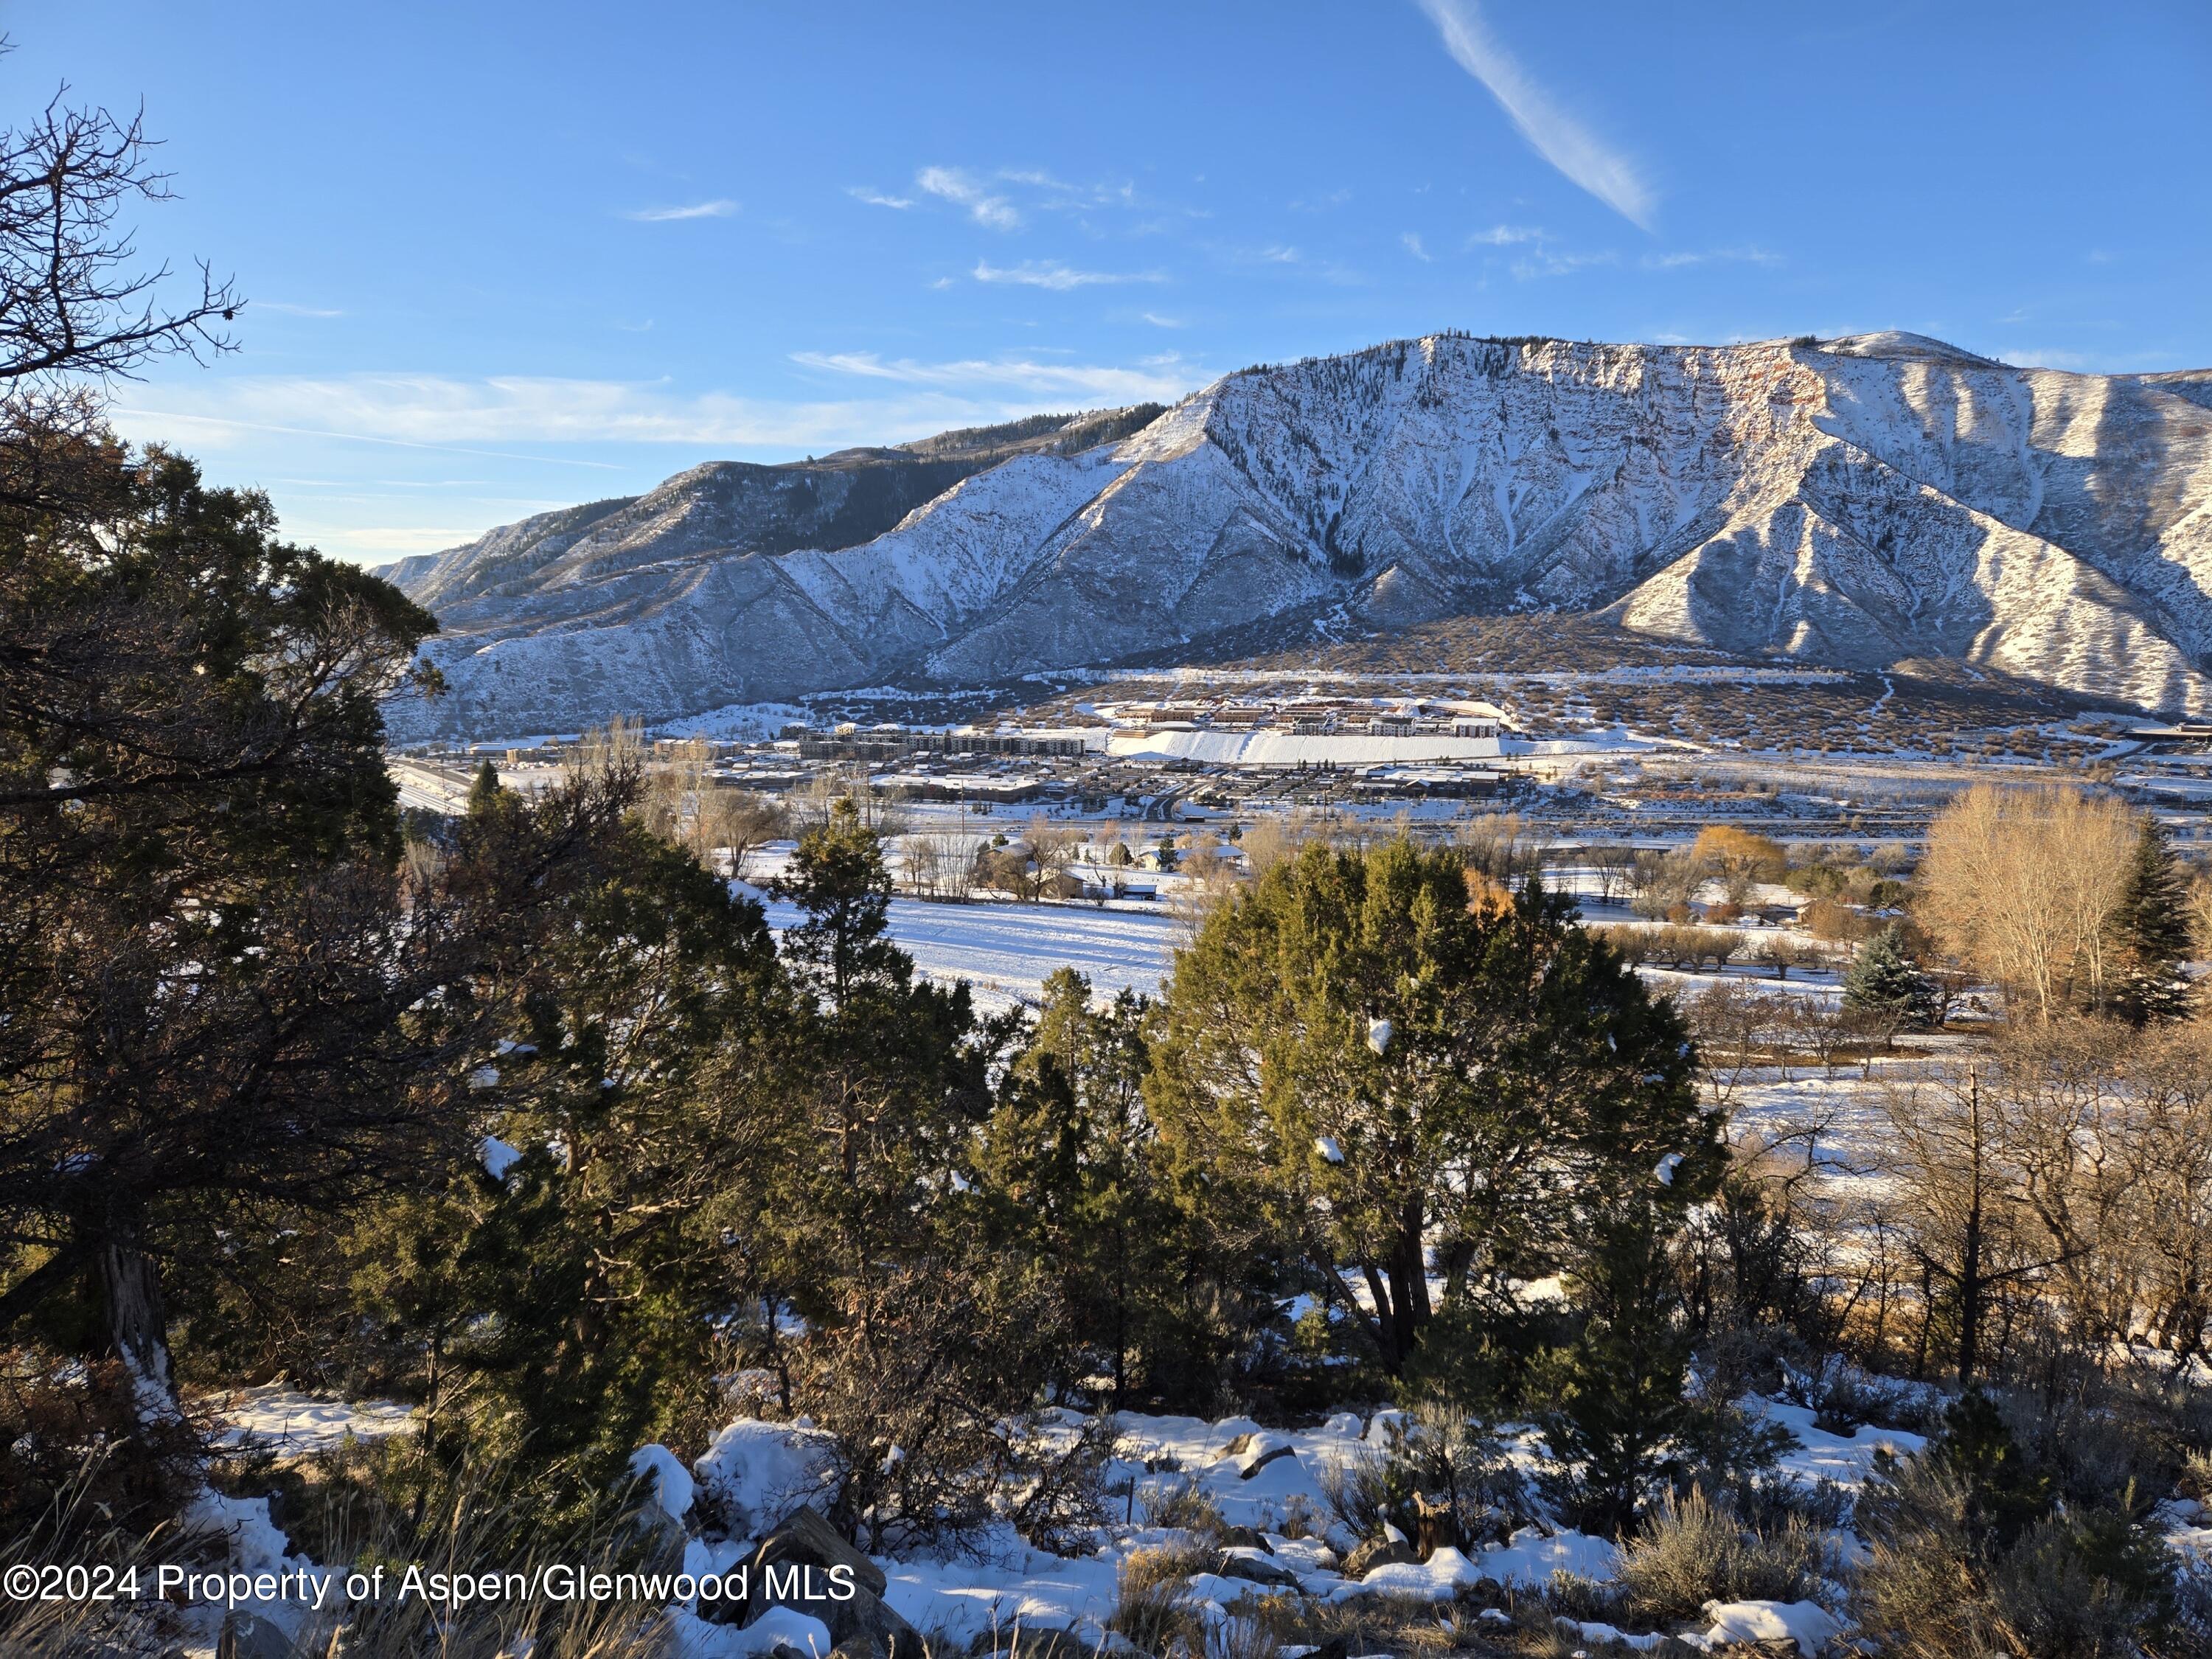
(293, 1424)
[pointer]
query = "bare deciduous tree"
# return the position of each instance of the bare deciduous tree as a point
(75, 304)
(2022, 881)
(1960, 1202)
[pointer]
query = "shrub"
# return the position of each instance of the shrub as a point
(1439, 1454)
(1691, 1550)
(1841, 1396)
(926, 1399)
(1170, 1564)
(1152, 1609)
(1971, 1551)
(71, 1438)
(1357, 1489)
(1181, 1504)
(1691, 947)
(1632, 945)
(1834, 922)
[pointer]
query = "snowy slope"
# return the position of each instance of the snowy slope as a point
(1852, 502)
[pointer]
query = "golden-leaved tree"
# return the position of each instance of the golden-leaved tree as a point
(2023, 882)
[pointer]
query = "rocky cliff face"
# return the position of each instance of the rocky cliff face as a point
(1849, 501)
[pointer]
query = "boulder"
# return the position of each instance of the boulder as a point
(1377, 1553)
(1249, 1538)
(805, 1536)
(862, 1627)
(1255, 1570)
(249, 1635)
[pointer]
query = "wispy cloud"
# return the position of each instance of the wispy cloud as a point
(2049, 357)
(285, 308)
(877, 197)
(486, 417)
(1321, 269)
(1543, 261)
(1556, 136)
(1052, 274)
(1412, 243)
(1683, 260)
(984, 207)
(720, 208)
(1156, 378)
(1506, 236)
(1158, 321)
(1058, 194)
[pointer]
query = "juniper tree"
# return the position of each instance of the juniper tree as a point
(1614, 1408)
(484, 789)
(639, 1093)
(1067, 1168)
(896, 1079)
(214, 996)
(1369, 1053)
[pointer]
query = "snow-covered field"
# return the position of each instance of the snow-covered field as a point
(1006, 950)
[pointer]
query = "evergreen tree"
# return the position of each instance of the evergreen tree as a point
(839, 877)
(1367, 1057)
(2150, 934)
(1886, 986)
(1616, 1411)
(484, 791)
(1068, 1170)
(217, 1006)
(562, 1291)
(895, 1083)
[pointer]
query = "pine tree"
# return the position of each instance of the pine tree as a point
(840, 878)
(2150, 934)
(484, 791)
(1886, 985)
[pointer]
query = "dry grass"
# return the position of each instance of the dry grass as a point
(1182, 1505)
(1152, 1608)
(1691, 1551)
(356, 1511)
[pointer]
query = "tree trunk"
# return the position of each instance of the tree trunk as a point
(1970, 1296)
(137, 1322)
(1409, 1291)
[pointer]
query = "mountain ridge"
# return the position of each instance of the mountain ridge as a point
(1854, 501)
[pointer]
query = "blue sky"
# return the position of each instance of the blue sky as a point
(507, 256)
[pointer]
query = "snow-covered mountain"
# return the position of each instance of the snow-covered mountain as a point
(1852, 501)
